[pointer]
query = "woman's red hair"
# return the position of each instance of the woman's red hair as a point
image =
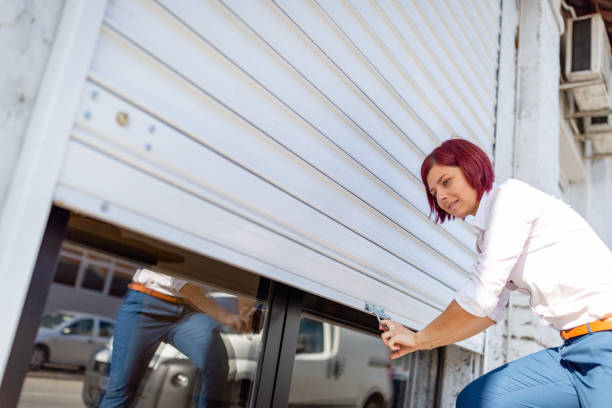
(473, 162)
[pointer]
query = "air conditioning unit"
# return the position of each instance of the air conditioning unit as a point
(599, 129)
(597, 124)
(587, 58)
(602, 143)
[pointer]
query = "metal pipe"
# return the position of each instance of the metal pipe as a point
(588, 147)
(603, 134)
(598, 156)
(586, 114)
(571, 85)
(557, 16)
(568, 8)
(440, 376)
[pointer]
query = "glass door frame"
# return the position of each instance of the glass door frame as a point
(280, 334)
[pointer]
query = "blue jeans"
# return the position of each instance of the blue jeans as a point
(576, 374)
(143, 322)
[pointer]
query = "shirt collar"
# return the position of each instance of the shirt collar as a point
(480, 219)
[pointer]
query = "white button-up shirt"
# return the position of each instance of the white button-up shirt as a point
(534, 243)
(159, 282)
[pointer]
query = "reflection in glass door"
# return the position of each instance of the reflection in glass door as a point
(338, 366)
(187, 333)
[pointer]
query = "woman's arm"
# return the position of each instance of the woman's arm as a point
(452, 325)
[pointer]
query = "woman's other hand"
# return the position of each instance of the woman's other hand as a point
(452, 325)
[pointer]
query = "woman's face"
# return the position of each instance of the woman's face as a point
(452, 191)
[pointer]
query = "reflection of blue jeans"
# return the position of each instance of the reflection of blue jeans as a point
(576, 374)
(143, 322)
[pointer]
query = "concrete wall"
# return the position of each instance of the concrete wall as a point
(537, 136)
(503, 162)
(460, 368)
(27, 30)
(545, 149)
(600, 198)
(537, 147)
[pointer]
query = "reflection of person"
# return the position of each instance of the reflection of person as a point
(159, 308)
(532, 242)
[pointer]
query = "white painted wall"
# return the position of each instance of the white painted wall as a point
(29, 197)
(461, 367)
(537, 137)
(600, 197)
(573, 167)
(27, 31)
(506, 93)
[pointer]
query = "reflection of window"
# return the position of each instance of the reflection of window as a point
(102, 278)
(83, 327)
(72, 251)
(310, 337)
(90, 270)
(66, 271)
(106, 329)
(119, 283)
(95, 276)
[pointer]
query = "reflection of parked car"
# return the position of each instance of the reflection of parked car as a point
(69, 338)
(343, 366)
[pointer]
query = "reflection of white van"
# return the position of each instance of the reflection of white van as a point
(345, 367)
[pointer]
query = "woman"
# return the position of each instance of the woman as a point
(531, 242)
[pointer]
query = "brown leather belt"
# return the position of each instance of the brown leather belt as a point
(592, 327)
(139, 287)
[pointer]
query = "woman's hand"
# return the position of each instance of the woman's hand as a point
(398, 339)
(240, 322)
(201, 301)
(452, 325)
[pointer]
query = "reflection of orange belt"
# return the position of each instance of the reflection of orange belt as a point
(596, 326)
(139, 287)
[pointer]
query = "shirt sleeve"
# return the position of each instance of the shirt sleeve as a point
(177, 284)
(500, 309)
(154, 280)
(507, 229)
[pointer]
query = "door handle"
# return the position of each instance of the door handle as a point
(338, 367)
(329, 371)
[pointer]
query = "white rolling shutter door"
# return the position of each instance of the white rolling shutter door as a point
(286, 137)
